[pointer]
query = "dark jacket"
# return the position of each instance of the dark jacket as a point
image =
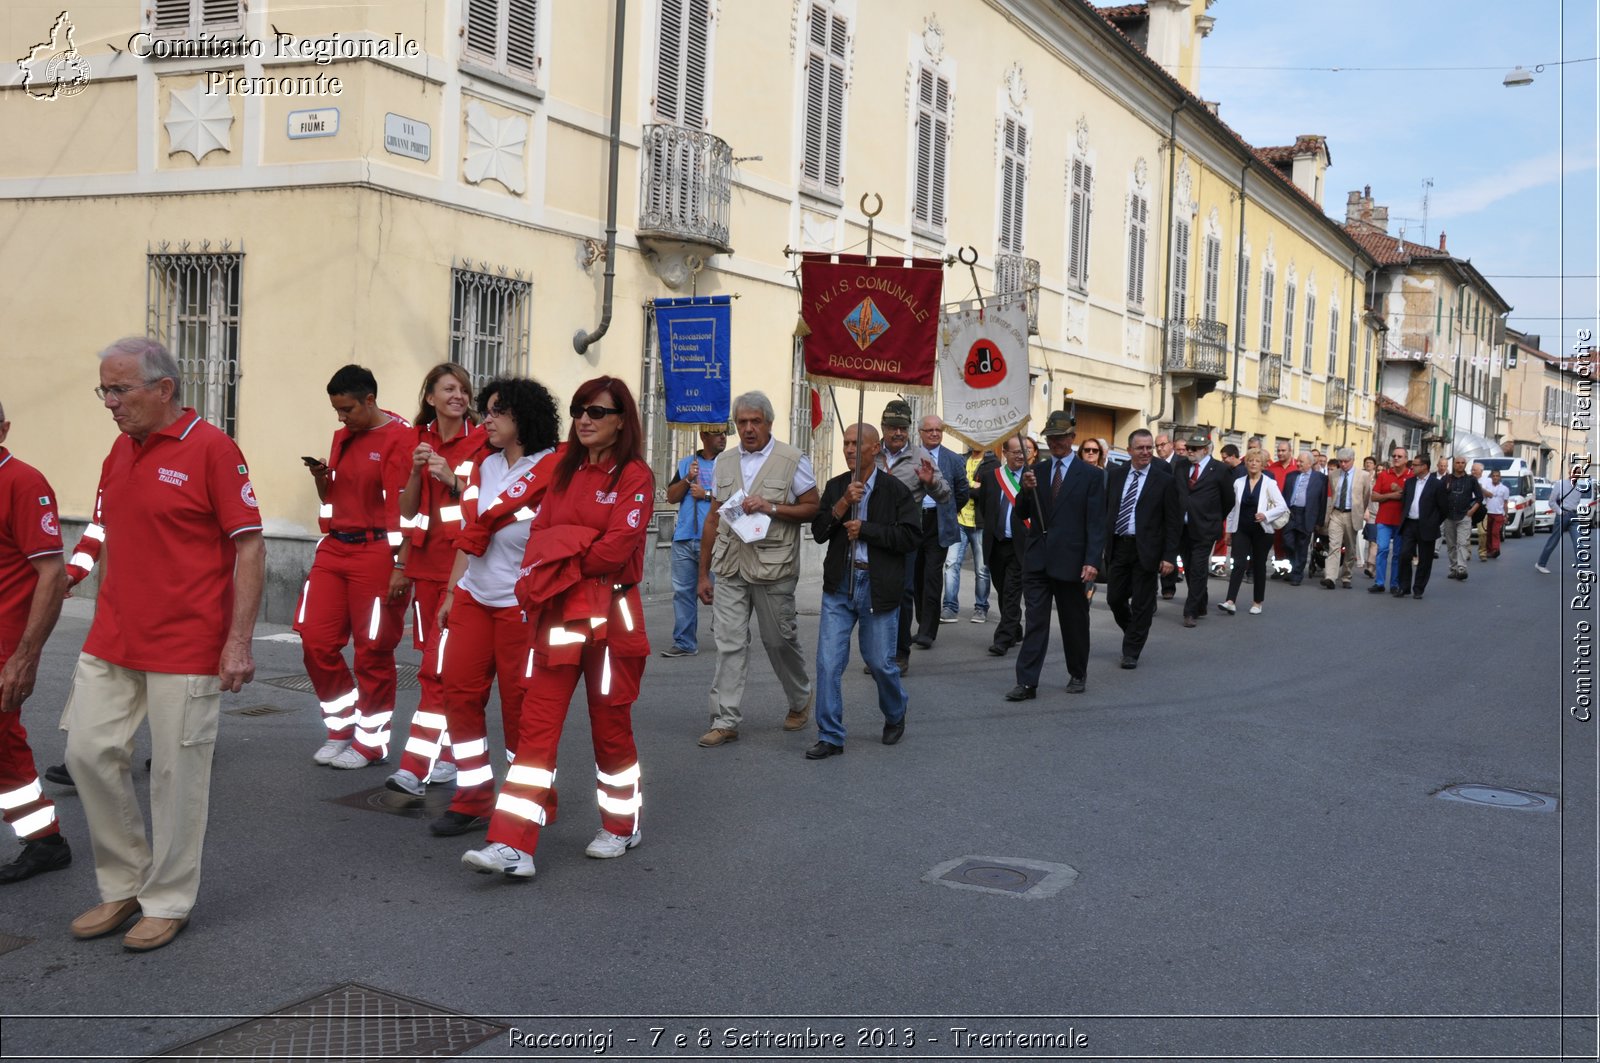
(991, 504)
(1461, 494)
(1431, 511)
(1316, 508)
(1208, 502)
(891, 530)
(953, 467)
(1157, 516)
(1072, 531)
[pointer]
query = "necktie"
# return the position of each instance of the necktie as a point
(1130, 496)
(1344, 492)
(1055, 481)
(1194, 474)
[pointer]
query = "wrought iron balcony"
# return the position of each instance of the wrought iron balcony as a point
(1015, 273)
(1338, 395)
(686, 189)
(1198, 348)
(1269, 382)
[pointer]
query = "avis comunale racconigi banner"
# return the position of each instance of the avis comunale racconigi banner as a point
(983, 369)
(873, 322)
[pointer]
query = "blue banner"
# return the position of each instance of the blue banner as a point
(693, 336)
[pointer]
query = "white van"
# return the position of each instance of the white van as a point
(1517, 475)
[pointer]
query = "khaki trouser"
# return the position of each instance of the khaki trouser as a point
(107, 705)
(1458, 537)
(773, 605)
(1342, 531)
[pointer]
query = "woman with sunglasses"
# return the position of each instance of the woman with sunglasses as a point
(449, 443)
(585, 621)
(1094, 452)
(481, 632)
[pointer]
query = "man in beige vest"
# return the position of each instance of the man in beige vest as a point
(757, 577)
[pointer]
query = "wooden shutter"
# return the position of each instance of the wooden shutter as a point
(1138, 217)
(1269, 280)
(933, 132)
(172, 15)
(522, 20)
(1013, 186)
(1076, 235)
(1311, 324)
(696, 64)
(1213, 279)
(483, 23)
(669, 63)
(220, 14)
(1288, 325)
(1244, 302)
(833, 172)
(681, 64)
(1333, 339)
(823, 158)
(1180, 272)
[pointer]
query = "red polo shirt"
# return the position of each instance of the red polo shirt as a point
(432, 558)
(1388, 480)
(171, 508)
(29, 529)
(370, 469)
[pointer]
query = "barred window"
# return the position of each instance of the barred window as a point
(192, 305)
(489, 324)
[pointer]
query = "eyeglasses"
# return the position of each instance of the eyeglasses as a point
(594, 412)
(496, 411)
(120, 391)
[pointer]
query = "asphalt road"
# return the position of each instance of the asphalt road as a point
(1261, 863)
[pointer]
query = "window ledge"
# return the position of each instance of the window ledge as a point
(931, 233)
(821, 194)
(505, 81)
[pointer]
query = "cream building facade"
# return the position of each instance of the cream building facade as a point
(280, 187)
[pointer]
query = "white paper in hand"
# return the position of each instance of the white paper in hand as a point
(749, 527)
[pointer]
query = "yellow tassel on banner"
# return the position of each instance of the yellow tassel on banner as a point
(801, 329)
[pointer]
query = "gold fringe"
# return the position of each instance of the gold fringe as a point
(698, 426)
(801, 329)
(995, 446)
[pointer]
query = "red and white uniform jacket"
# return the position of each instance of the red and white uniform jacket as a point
(30, 529)
(432, 530)
(367, 472)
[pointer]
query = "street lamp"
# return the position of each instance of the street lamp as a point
(1520, 76)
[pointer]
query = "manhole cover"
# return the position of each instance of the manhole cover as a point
(382, 799)
(405, 679)
(1008, 876)
(1499, 797)
(10, 943)
(351, 1021)
(257, 710)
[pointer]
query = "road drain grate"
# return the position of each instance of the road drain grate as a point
(1008, 876)
(1498, 797)
(382, 799)
(351, 1021)
(405, 679)
(10, 943)
(256, 710)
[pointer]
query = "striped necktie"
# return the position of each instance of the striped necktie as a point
(1130, 497)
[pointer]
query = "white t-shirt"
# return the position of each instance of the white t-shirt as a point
(1494, 498)
(491, 578)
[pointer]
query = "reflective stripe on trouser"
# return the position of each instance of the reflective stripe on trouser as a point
(345, 600)
(526, 801)
(481, 645)
(22, 800)
(107, 706)
(429, 740)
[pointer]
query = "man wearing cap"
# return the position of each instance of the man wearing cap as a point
(1064, 501)
(919, 471)
(1352, 491)
(1205, 490)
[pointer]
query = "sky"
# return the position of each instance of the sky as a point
(1513, 169)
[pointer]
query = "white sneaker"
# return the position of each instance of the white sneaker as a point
(1230, 608)
(443, 771)
(497, 856)
(406, 782)
(1541, 568)
(330, 749)
(353, 758)
(607, 845)
(1255, 610)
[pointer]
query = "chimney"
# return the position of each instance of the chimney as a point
(1441, 240)
(1360, 213)
(1311, 158)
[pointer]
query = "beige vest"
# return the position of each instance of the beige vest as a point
(776, 557)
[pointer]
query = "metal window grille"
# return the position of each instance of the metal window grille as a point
(192, 306)
(815, 442)
(663, 444)
(489, 323)
(1017, 273)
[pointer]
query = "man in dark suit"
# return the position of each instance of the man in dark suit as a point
(871, 522)
(1003, 536)
(1306, 491)
(1065, 502)
(1423, 508)
(1169, 580)
(1143, 524)
(939, 530)
(1205, 491)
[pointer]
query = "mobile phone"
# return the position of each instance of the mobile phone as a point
(311, 462)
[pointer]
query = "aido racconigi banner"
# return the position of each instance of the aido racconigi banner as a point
(871, 323)
(693, 335)
(983, 369)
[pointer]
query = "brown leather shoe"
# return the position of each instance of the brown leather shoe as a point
(718, 736)
(796, 719)
(102, 919)
(152, 933)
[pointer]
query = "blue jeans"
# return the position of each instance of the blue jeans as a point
(970, 541)
(839, 614)
(685, 600)
(1388, 555)
(1565, 522)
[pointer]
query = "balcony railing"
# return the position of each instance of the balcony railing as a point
(1198, 348)
(1338, 397)
(1269, 381)
(687, 186)
(1014, 273)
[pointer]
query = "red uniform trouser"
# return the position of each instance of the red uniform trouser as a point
(429, 740)
(527, 799)
(22, 800)
(1494, 524)
(482, 644)
(346, 599)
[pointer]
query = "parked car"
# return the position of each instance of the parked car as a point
(1544, 518)
(1518, 476)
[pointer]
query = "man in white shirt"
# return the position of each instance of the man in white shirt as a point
(1495, 496)
(1564, 500)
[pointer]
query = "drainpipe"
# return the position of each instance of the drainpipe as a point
(582, 340)
(1350, 369)
(1238, 285)
(1172, 198)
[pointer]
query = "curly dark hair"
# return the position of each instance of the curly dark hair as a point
(531, 405)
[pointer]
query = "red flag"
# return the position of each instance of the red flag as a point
(816, 409)
(871, 322)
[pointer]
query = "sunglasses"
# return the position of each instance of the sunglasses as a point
(1088, 450)
(594, 412)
